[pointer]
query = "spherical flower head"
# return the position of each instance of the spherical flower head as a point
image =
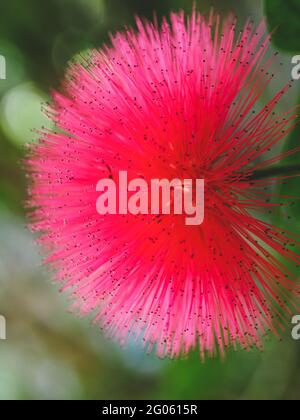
(176, 101)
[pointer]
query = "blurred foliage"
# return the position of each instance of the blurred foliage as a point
(49, 353)
(283, 21)
(290, 186)
(12, 181)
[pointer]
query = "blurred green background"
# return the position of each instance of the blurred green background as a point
(49, 354)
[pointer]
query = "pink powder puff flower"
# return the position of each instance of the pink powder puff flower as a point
(177, 101)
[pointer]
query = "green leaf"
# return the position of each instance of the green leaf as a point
(290, 186)
(283, 20)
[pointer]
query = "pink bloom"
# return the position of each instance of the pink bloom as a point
(172, 102)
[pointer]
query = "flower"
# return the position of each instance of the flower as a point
(177, 101)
